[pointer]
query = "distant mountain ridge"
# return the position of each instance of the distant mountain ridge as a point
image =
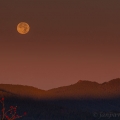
(88, 89)
(81, 89)
(10, 90)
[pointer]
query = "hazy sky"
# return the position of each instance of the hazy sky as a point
(69, 40)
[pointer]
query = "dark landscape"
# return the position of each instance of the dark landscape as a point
(60, 59)
(84, 100)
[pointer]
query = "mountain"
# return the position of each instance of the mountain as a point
(81, 89)
(20, 91)
(88, 89)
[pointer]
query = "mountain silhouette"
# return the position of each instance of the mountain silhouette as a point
(20, 91)
(81, 89)
(88, 89)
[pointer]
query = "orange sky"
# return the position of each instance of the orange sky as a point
(68, 41)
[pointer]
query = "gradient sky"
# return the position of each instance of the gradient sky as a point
(69, 40)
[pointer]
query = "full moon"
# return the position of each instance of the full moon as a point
(23, 28)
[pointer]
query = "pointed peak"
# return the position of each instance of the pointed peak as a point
(86, 81)
(83, 81)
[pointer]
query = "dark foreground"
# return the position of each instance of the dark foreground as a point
(64, 109)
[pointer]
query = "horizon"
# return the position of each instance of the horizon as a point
(67, 41)
(63, 85)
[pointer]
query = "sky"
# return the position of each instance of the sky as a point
(68, 41)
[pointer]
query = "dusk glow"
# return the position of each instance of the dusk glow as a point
(68, 41)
